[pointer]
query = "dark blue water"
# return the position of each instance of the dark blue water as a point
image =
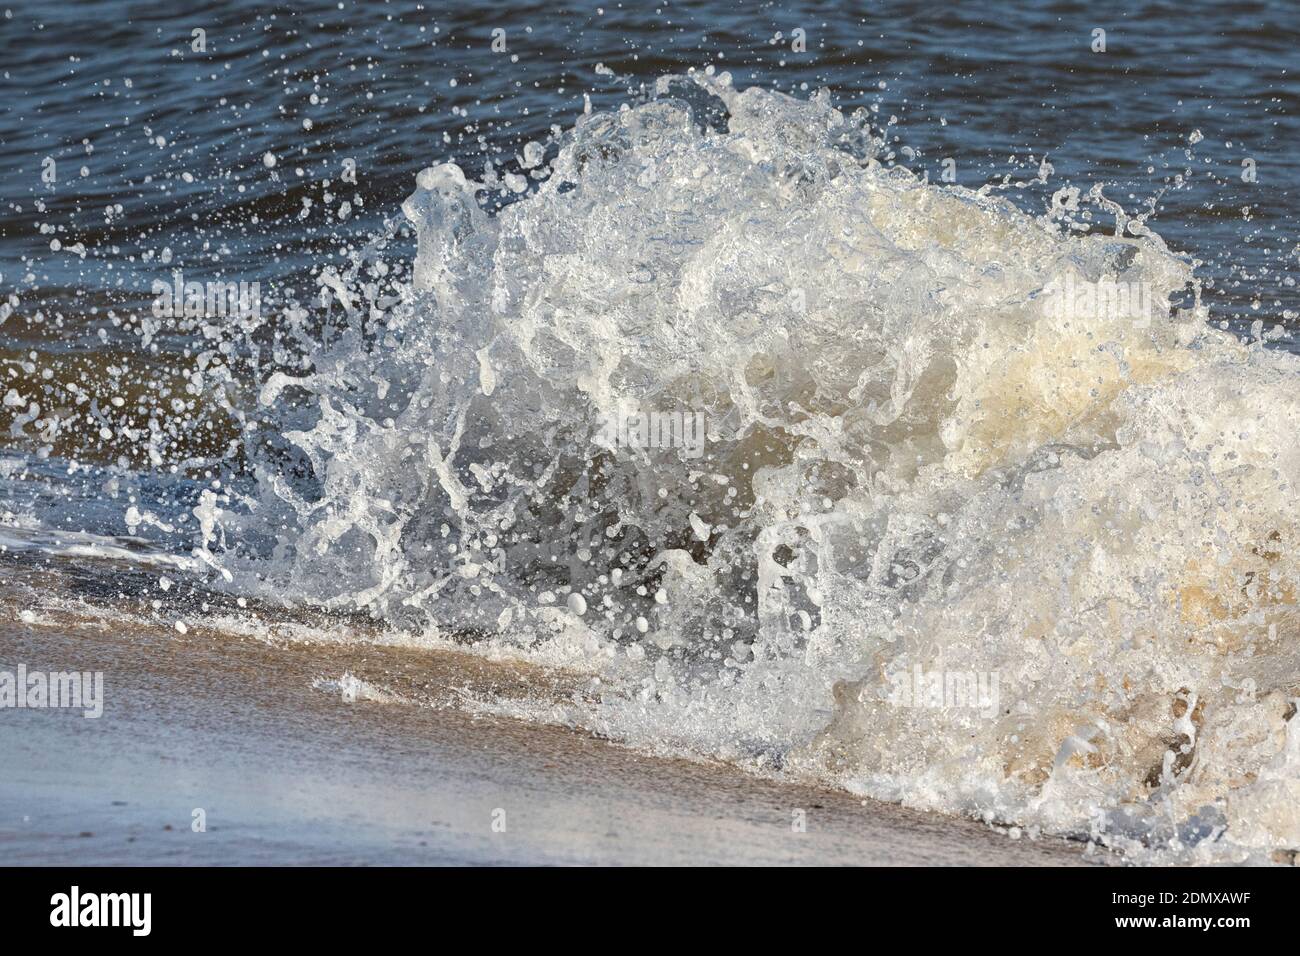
(158, 147)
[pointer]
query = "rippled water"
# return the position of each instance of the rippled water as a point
(910, 464)
(396, 86)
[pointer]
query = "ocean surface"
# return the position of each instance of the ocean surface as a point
(902, 397)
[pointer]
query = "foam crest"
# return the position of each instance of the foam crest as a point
(935, 442)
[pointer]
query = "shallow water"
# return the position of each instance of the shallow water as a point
(897, 453)
(283, 772)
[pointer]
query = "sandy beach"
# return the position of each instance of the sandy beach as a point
(285, 772)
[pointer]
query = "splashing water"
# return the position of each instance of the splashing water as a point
(916, 472)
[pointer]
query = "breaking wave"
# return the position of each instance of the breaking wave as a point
(917, 473)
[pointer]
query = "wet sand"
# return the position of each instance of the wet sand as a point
(288, 774)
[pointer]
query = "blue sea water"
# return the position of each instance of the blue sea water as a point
(158, 140)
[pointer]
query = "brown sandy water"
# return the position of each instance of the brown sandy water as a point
(286, 773)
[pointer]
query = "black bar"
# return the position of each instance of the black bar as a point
(338, 905)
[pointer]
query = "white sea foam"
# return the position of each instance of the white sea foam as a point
(910, 464)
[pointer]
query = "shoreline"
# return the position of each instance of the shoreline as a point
(230, 730)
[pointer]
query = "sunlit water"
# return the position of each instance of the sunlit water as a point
(615, 343)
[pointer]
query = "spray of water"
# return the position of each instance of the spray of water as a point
(922, 463)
